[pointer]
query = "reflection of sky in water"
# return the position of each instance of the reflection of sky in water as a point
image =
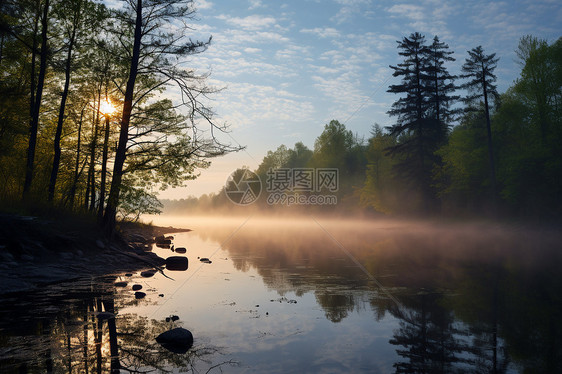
(471, 297)
(220, 304)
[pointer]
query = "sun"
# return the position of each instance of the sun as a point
(106, 108)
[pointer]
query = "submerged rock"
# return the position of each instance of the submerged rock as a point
(177, 340)
(177, 263)
(137, 287)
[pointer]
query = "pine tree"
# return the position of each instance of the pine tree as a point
(442, 87)
(479, 68)
(416, 144)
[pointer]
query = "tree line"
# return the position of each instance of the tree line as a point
(84, 121)
(457, 146)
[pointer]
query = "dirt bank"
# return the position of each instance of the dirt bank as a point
(35, 252)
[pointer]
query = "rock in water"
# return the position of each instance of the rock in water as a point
(137, 287)
(177, 340)
(139, 295)
(180, 250)
(177, 263)
(120, 284)
(148, 273)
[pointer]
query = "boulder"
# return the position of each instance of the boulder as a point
(177, 263)
(177, 340)
(148, 273)
(163, 240)
(139, 295)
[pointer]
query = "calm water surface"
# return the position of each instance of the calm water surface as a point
(310, 296)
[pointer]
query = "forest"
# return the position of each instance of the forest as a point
(457, 147)
(88, 123)
(86, 119)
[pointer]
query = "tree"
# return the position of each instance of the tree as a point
(462, 178)
(540, 83)
(441, 87)
(35, 101)
(337, 147)
(299, 156)
(75, 19)
(380, 191)
(479, 68)
(152, 56)
(414, 129)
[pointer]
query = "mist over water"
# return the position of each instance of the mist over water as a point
(389, 294)
(317, 295)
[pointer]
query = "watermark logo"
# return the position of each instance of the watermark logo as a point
(243, 187)
(285, 186)
(302, 180)
(302, 186)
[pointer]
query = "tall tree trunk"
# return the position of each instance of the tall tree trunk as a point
(93, 155)
(490, 144)
(34, 121)
(121, 153)
(77, 161)
(58, 133)
(103, 169)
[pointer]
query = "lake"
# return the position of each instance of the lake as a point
(309, 295)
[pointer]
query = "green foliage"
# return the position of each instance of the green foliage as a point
(463, 177)
(379, 190)
(137, 201)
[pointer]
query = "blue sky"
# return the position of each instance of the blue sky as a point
(289, 67)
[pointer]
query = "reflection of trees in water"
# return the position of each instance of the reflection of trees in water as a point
(429, 340)
(491, 301)
(74, 332)
(336, 306)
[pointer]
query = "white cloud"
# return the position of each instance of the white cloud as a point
(247, 104)
(203, 4)
(252, 23)
(348, 10)
(323, 32)
(413, 12)
(252, 50)
(254, 4)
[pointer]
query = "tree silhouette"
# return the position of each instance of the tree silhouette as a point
(479, 68)
(419, 127)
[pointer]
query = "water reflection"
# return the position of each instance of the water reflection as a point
(289, 296)
(471, 298)
(77, 328)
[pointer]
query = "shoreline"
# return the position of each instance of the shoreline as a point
(36, 252)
